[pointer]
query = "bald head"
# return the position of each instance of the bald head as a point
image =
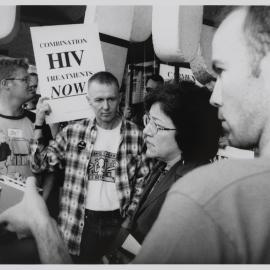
(254, 23)
(241, 92)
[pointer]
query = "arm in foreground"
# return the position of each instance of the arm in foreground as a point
(31, 216)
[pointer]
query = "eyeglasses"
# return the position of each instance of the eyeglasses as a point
(25, 79)
(153, 126)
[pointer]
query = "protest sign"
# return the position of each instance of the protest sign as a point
(66, 57)
(236, 153)
(167, 73)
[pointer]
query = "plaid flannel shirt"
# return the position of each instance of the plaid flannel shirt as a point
(63, 152)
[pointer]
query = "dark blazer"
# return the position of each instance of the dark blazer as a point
(150, 204)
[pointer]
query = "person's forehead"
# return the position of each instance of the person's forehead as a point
(158, 114)
(19, 71)
(229, 38)
(96, 88)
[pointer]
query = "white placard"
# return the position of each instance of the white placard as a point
(66, 57)
(232, 152)
(131, 245)
(167, 73)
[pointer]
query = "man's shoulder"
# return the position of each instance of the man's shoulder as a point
(76, 128)
(207, 181)
(24, 115)
(30, 115)
(81, 123)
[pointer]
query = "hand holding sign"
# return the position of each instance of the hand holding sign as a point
(43, 109)
(66, 57)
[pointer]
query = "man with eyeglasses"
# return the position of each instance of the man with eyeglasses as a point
(16, 123)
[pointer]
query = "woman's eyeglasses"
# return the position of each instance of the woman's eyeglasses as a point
(153, 126)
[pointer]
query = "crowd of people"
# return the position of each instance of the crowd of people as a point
(152, 194)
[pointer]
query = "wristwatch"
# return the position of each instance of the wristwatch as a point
(38, 127)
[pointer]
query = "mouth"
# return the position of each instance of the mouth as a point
(106, 114)
(225, 128)
(220, 115)
(223, 123)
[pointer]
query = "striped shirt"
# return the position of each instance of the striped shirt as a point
(71, 150)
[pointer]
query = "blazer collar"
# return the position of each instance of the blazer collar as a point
(177, 171)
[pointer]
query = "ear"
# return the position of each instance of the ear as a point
(88, 99)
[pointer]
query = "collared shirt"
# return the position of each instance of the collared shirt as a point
(71, 150)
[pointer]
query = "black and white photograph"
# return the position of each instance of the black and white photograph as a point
(134, 133)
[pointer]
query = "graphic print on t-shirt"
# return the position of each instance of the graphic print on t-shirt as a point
(102, 166)
(14, 154)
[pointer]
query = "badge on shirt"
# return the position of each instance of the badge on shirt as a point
(15, 133)
(81, 145)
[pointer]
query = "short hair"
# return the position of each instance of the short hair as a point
(156, 78)
(256, 29)
(197, 126)
(8, 65)
(104, 77)
(257, 34)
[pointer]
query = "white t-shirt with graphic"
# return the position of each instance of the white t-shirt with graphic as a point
(15, 135)
(101, 193)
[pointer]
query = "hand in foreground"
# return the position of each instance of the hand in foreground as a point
(43, 109)
(31, 217)
(24, 216)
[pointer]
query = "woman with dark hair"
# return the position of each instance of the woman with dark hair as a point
(195, 120)
(181, 132)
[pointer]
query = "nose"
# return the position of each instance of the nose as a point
(146, 131)
(106, 105)
(216, 97)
